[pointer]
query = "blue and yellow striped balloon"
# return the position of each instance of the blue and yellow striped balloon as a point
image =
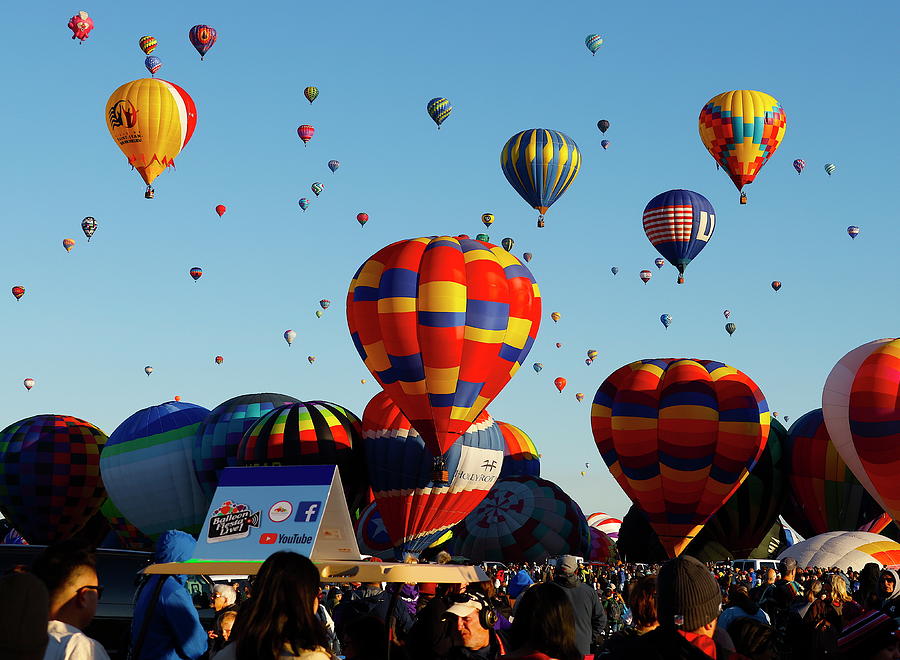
(540, 164)
(439, 109)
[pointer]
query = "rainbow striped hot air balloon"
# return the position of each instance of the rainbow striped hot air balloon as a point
(680, 436)
(520, 456)
(540, 164)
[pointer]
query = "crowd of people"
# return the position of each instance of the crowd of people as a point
(563, 609)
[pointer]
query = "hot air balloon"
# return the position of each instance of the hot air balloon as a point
(603, 125)
(126, 533)
(306, 132)
(592, 354)
(153, 64)
(786, 419)
(217, 439)
(303, 203)
(614, 270)
(540, 164)
(148, 370)
(311, 358)
(645, 276)
(18, 292)
(727, 313)
(666, 320)
(679, 223)
(701, 427)
(68, 244)
(579, 396)
(520, 456)
(660, 262)
(324, 304)
(588, 361)
(317, 188)
(844, 550)
(196, 273)
(28, 383)
(799, 165)
(537, 366)
(487, 219)
(606, 523)
(81, 25)
(362, 218)
(311, 93)
(593, 43)
(556, 316)
(853, 231)
(730, 328)
(202, 38)
(605, 144)
(148, 469)
(560, 383)
(50, 471)
(290, 336)
(776, 285)
(147, 44)
(527, 256)
(333, 165)
(507, 244)
(502, 527)
(151, 120)
(89, 226)
(742, 129)
(830, 168)
(319, 313)
(220, 209)
(603, 548)
(438, 109)
(219, 359)
(310, 433)
(415, 509)
(470, 314)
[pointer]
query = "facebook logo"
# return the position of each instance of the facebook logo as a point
(307, 512)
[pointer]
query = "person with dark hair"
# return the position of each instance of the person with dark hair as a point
(867, 592)
(741, 606)
(590, 617)
(642, 603)
(69, 571)
(363, 639)
(753, 639)
(280, 622)
(543, 628)
(24, 613)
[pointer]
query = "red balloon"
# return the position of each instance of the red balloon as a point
(219, 359)
(220, 209)
(18, 291)
(776, 285)
(362, 218)
(306, 133)
(560, 383)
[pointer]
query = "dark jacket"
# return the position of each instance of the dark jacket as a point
(432, 634)
(590, 618)
(493, 651)
(174, 631)
(658, 644)
(371, 600)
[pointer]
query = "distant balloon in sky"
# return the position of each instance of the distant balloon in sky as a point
(666, 320)
(483, 237)
(537, 366)
(311, 93)
(558, 344)
(202, 38)
(81, 25)
(853, 231)
(333, 165)
(290, 336)
(18, 292)
(220, 209)
(593, 43)
(605, 144)
(556, 316)
(153, 64)
(311, 358)
(660, 262)
(507, 244)
(487, 219)
(646, 275)
(730, 328)
(68, 244)
(588, 361)
(776, 285)
(679, 224)
(219, 359)
(306, 132)
(592, 354)
(830, 168)
(303, 203)
(148, 370)
(362, 218)
(527, 256)
(317, 188)
(28, 383)
(147, 44)
(560, 383)
(614, 270)
(727, 313)
(438, 109)
(799, 165)
(196, 273)
(324, 303)
(603, 125)
(89, 226)
(579, 396)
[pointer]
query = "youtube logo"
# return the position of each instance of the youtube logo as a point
(268, 538)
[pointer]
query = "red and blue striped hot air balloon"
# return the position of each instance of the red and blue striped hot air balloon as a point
(520, 456)
(443, 323)
(679, 223)
(680, 436)
(415, 509)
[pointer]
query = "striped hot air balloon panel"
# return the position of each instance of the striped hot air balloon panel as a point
(520, 456)
(540, 164)
(606, 524)
(679, 223)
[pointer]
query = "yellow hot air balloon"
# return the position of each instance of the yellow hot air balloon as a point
(151, 120)
(742, 129)
(556, 316)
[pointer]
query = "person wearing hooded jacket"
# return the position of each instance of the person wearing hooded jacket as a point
(165, 620)
(590, 617)
(889, 590)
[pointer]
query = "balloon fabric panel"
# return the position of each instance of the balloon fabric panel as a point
(540, 165)
(679, 223)
(520, 455)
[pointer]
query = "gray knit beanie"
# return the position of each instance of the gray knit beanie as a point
(687, 594)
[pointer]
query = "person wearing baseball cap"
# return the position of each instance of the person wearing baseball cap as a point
(475, 634)
(590, 617)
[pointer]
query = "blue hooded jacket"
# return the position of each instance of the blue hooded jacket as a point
(174, 631)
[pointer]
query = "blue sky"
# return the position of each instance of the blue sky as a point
(92, 319)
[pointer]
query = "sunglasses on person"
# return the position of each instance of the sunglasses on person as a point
(94, 587)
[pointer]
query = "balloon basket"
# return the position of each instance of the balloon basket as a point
(439, 475)
(540, 222)
(743, 198)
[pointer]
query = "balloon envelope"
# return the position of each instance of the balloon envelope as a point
(202, 37)
(605, 523)
(540, 164)
(844, 550)
(438, 109)
(333, 165)
(679, 224)
(520, 456)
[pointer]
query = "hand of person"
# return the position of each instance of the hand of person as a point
(212, 634)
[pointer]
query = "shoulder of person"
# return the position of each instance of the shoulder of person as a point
(317, 653)
(228, 653)
(78, 646)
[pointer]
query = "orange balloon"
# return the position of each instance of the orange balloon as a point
(560, 383)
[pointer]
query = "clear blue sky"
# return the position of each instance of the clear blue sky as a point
(92, 319)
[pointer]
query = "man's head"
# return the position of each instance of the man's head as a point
(688, 597)
(888, 582)
(69, 571)
(788, 568)
(223, 596)
(567, 565)
(470, 622)
(771, 575)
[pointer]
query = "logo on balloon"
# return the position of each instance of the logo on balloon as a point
(123, 114)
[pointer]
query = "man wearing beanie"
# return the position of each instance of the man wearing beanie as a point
(688, 602)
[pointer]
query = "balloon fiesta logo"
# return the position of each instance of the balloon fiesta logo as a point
(123, 114)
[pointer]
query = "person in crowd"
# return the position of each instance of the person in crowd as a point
(590, 618)
(224, 626)
(614, 607)
(474, 619)
(223, 598)
(777, 601)
(24, 617)
(741, 606)
(753, 639)
(363, 639)
(890, 593)
(871, 636)
(370, 598)
(280, 622)
(69, 571)
(642, 605)
(842, 601)
(543, 628)
(757, 592)
(166, 625)
(427, 591)
(433, 633)
(517, 584)
(868, 593)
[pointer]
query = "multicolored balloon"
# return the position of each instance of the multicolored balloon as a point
(89, 226)
(324, 303)
(701, 426)
(830, 168)
(556, 316)
(527, 256)
(593, 43)
(219, 359)
(50, 483)
(290, 336)
(560, 383)
(523, 519)
(520, 456)
(487, 219)
(537, 366)
(153, 64)
(603, 548)
(303, 203)
(416, 510)
(645, 276)
(605, 144)
(148, 469)
(317, 188)
(606, 523)
(438, 109)
(28, 383)
(333, 165)
(311, 93)
(202, 37)
(666, 320)
(147, 44)
(741, 130)
(68, 244)
(799, 165)
(81, 25)
(853, 231)
(579, 396)
(18, 292)
(730, 328)
(443, 323)
(727, 313)
(540, 164)
(679, 224)
(603, 125)
(305, 132)
(127, 534)
(592, 354)
(660, 262)
(362, 218)
(196, 273)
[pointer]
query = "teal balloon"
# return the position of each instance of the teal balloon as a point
(537, 366)
(593, 43)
